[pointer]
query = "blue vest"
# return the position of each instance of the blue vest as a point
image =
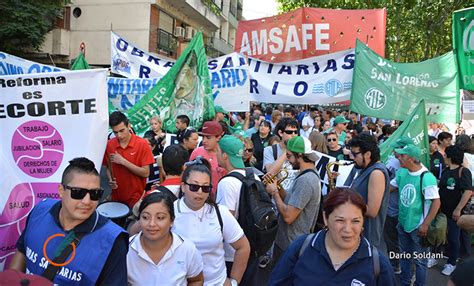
(373, 227)
(90, 256)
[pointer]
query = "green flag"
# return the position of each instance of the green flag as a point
(384, 89)
(80, 63)
(463, 44)
(185, 89)
(414, 127)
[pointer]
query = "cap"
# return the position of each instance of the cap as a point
(410, 150)
(220, 109)
(340, 119)
(302, 145)
(13, 277)
(234, 148)
(402, 142)
(211, 128)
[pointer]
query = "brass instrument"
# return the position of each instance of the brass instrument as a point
(279, 177)
(331, 180)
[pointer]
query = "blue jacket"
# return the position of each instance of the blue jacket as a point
(43, 234)
(314, 267)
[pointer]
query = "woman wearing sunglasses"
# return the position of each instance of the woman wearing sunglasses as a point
(247, 156)
(155, 252)
(209, 226)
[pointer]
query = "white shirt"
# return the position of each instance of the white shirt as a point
(307, 120)
(228, 194)
(180, 262)
(202, 227)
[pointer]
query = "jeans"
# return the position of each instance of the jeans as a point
(412, 249)
(454, 241)
(390, 234)
(250, 276)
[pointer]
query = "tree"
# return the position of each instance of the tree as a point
(416, 30)
(25, 23)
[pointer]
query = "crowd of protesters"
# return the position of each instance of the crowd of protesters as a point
(184, 222)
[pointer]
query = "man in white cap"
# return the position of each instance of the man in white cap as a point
(299, 206)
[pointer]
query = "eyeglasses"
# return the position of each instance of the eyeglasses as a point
(250, 150)
(289, 132)
(332, 139)
(354, 154)
(194, 188)
(80, 193)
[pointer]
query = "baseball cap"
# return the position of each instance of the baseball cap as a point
(234, 148)
(220, 109)
(410, 150)
(402, 142)
(211, 128)
(13, 277)
(340, 119)
(302, 145)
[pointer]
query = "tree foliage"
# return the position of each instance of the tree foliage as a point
(25, 23)
(416, 29)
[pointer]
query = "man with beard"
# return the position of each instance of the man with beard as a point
(298, 207)
(372, 182)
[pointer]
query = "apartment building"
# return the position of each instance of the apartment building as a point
(162, 27)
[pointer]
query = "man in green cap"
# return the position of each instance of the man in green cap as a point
(220, 113)
(418, 204)
(228, 193)
(390, 232)
(298, 207)
(340, 127)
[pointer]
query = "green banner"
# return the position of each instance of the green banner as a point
(384, 89)
(185, 89)
(80, 63)
(415, 127)
(463, 44)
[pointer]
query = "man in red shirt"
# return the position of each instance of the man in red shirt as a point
(127, 158)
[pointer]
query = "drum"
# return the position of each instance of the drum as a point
(117, 212)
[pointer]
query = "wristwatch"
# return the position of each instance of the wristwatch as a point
(233, 282)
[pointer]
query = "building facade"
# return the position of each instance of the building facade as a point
(162, 27)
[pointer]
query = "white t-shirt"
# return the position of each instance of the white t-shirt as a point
(307, 120)
(228, 194)
(181, 261)
(202, 227)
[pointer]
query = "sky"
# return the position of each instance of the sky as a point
(254, 9)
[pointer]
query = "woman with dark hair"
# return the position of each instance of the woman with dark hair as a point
(209, 225)
(260, 141)
(337, 255)
(188, 139)
(155, 251)
(455, 190)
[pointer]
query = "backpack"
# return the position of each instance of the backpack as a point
(257, 216)
(375, 252)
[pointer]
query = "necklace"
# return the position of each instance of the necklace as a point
(338, 265)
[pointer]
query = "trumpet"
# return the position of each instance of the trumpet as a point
(331, 181)
(278, 177)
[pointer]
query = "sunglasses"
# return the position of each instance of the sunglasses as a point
(194, 188)
(289, 132)
(80, 193)
(354, 154)
(250, 150)
(332, 139)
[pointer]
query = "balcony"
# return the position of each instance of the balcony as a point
(220, 45)
(205, 12)
(167, 43)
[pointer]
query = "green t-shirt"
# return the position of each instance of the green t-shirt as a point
(409, 197)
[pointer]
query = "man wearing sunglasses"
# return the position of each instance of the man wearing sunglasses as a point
(274, 157)
(95, 248)
(372, 182)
